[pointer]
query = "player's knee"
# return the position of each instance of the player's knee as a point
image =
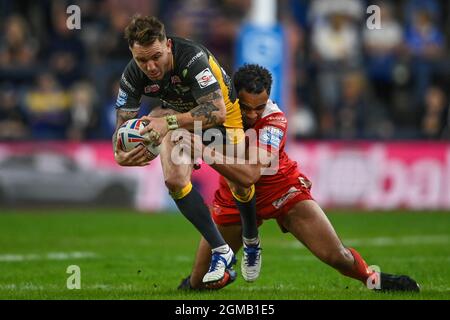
(239, 190)
(247, 183)
(175, 183)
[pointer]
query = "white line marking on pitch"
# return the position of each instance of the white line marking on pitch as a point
(387, 241)
(408, 240)
(46, 256)
(401, 259)
(28, 286)
(22, 287)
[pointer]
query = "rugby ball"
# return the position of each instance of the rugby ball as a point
(129, 137)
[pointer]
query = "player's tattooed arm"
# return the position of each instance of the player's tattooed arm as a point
(211, 111)
(121, 117)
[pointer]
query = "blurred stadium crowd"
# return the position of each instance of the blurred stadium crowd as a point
(346, 81)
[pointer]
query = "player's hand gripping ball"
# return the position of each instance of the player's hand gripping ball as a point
(129, 138)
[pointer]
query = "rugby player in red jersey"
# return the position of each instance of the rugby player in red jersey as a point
(284, 196)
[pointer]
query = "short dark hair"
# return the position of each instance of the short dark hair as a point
(144, 30)
(252, 78)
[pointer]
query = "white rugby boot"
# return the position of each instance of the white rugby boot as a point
(220, 262)
(251, 261)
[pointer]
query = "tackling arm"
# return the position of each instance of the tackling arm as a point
(244, 175)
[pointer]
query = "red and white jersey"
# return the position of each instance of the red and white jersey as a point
(271, 132)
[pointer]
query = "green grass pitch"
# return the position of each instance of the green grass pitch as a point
(128, 255)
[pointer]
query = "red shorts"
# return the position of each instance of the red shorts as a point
(273, 204)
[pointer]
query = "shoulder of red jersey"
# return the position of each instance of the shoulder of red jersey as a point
(272, 116)
(272, 126)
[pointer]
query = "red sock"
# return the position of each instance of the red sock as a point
(360, 269)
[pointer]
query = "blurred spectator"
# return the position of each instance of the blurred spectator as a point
(83, 114)
(13, 121)
(336, 41)
(195, 15)
(336, 46)
(224, 28)
(436, 113)
(320, 9)
(47, 107)
(382, 48)
(424, 38)
(433, 7)
(359, 116)
(93, 22)
(181, 25)
(17, 47)
(214, 24)
(66, 52)
(112, 44)
(425, 44)
(302, 123)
